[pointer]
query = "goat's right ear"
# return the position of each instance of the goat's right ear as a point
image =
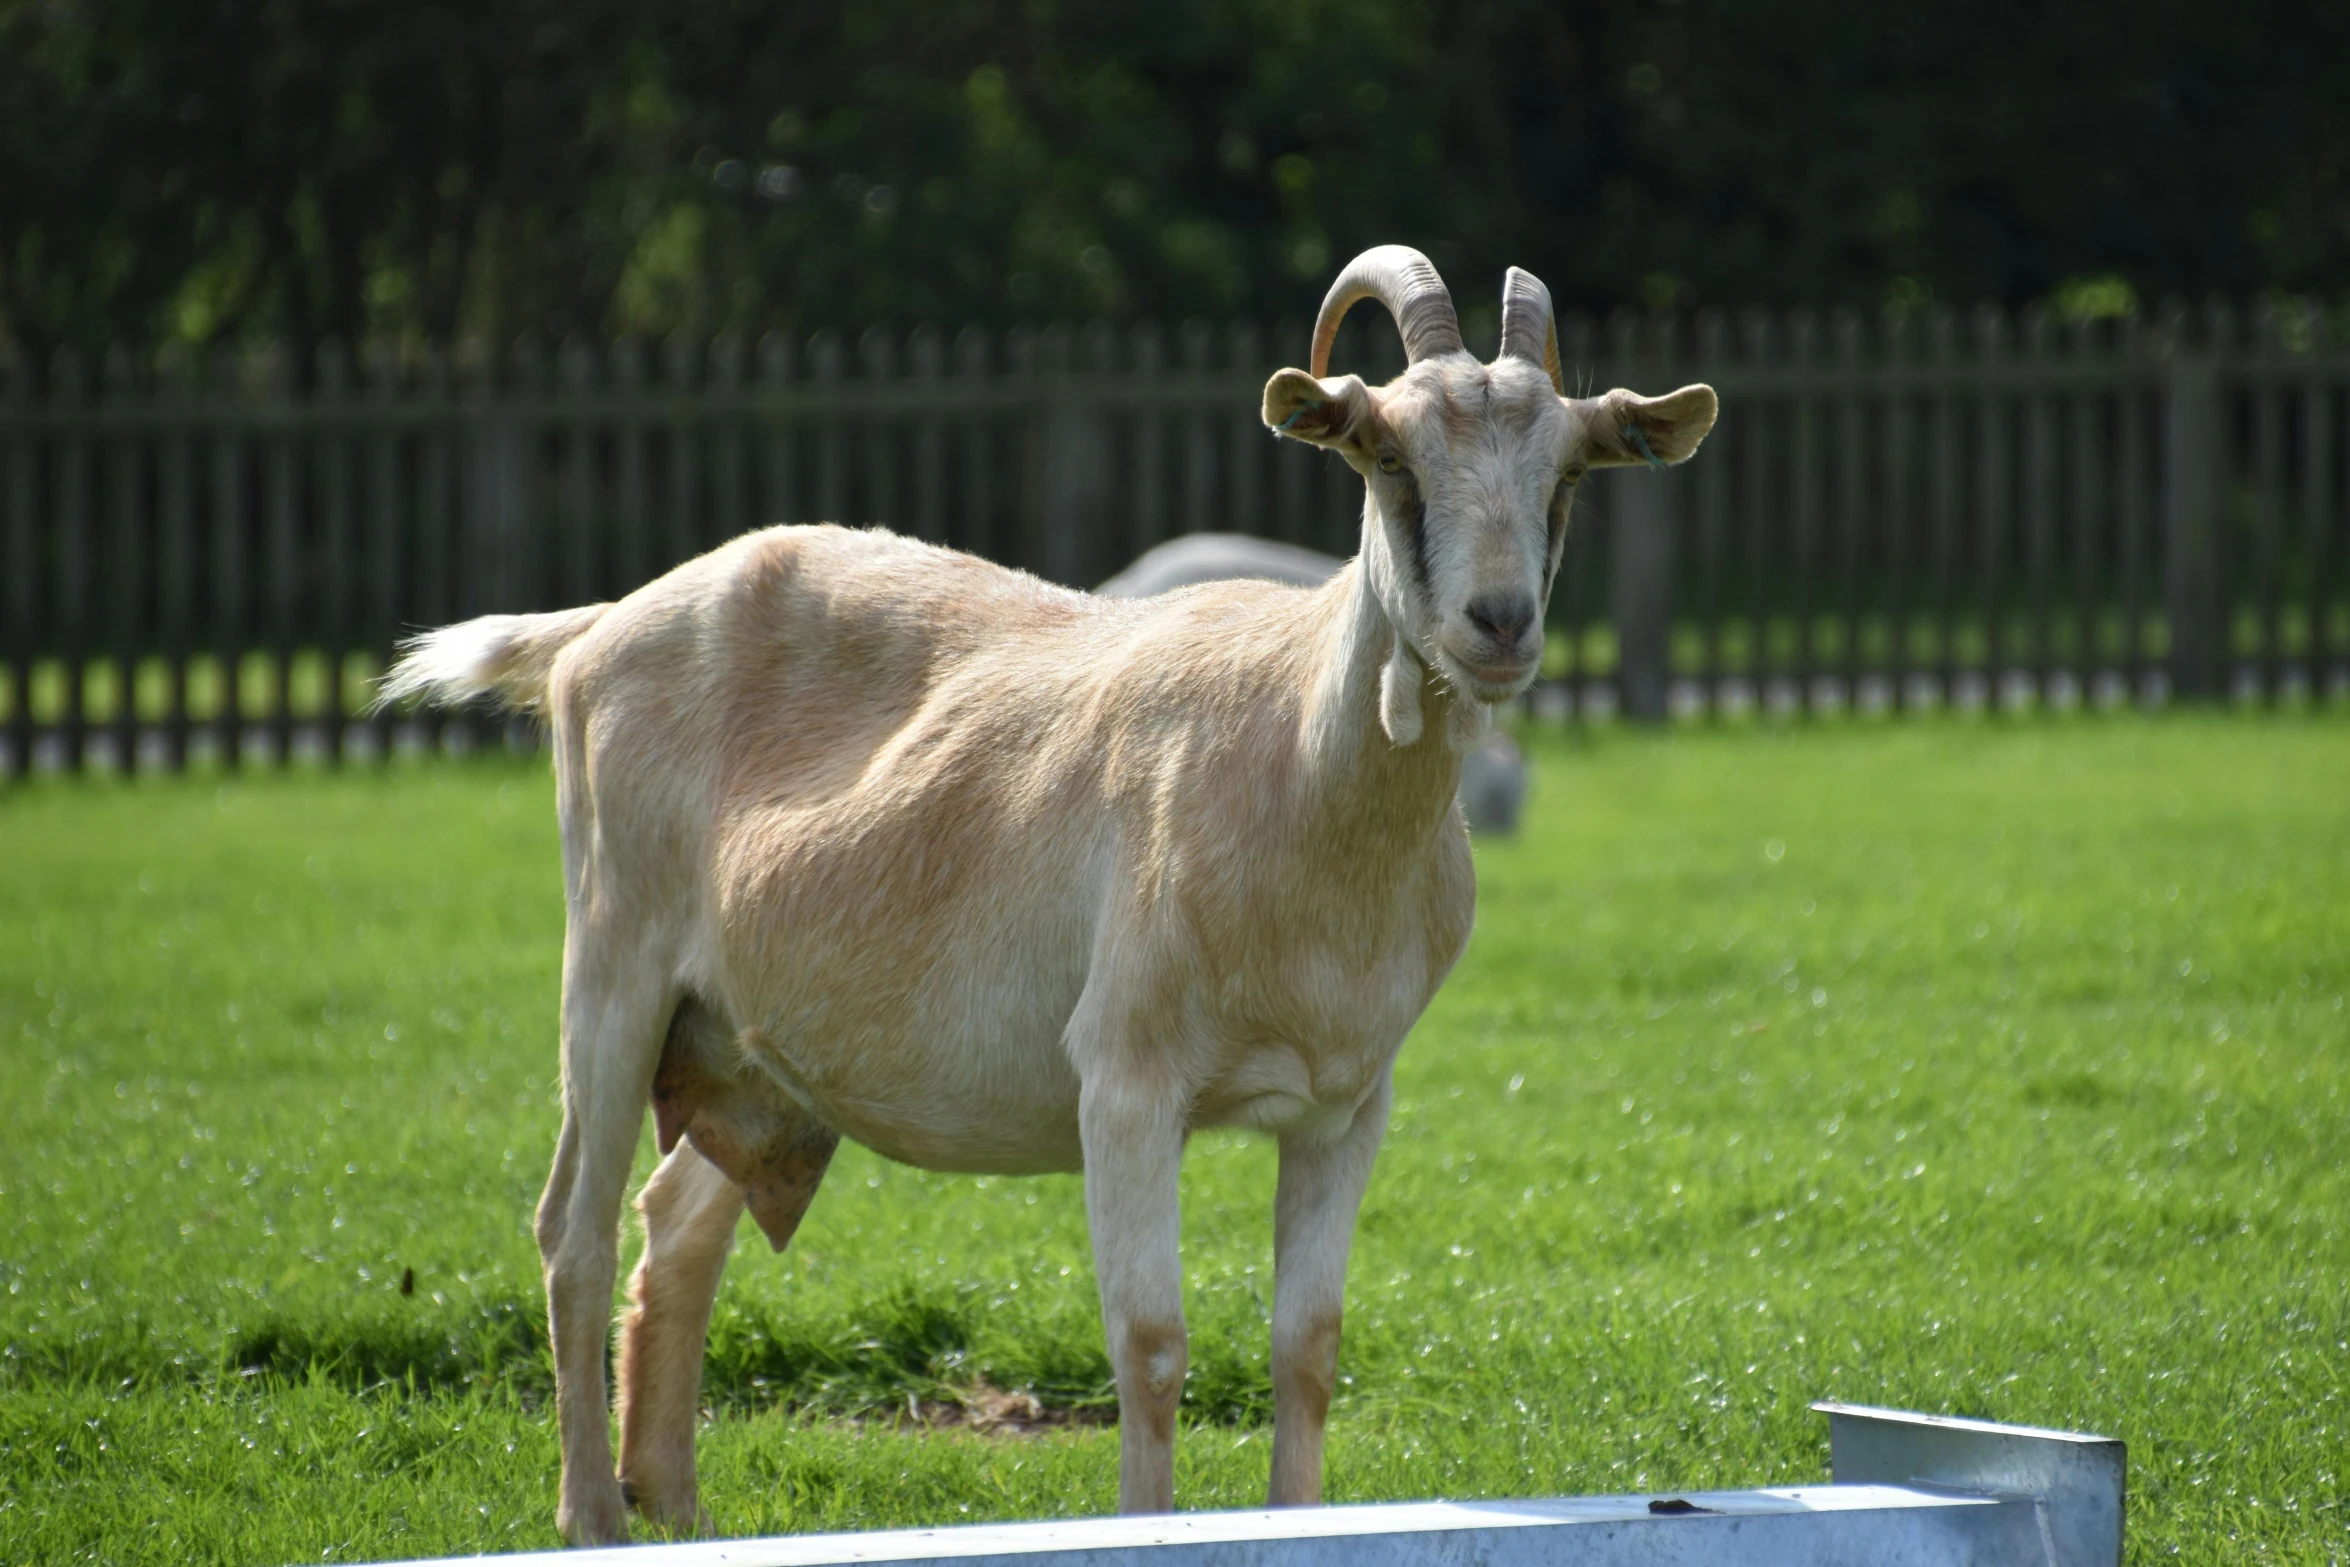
(1327, 413)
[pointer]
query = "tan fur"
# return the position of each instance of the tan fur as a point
(867, 838)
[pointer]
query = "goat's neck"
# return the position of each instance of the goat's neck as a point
(1357, 760)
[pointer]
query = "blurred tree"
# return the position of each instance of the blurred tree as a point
(339, 168)
(313, 169)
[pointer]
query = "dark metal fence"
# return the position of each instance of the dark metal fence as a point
(213, 559)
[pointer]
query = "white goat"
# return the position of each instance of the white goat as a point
(871, 839)
(1194, 558)
(1493, 771)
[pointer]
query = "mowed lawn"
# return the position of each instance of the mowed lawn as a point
(1987, 1068)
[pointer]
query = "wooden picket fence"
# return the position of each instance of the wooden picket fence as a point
(212, 559)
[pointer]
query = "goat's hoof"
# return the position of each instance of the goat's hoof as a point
(677, 1515)
(597, 1517)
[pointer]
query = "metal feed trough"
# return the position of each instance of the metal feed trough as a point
(1909, 1491)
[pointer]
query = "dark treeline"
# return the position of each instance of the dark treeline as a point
(206, 170)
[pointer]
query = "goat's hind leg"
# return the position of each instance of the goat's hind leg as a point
(689, 1209)
(614, 1006)
(744, 1144)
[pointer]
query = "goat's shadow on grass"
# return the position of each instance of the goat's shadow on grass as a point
(909, 1355)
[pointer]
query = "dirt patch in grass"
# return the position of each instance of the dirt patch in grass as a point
(986, 1410)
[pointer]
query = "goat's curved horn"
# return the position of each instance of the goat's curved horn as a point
(1528, 329)
(1403, 280)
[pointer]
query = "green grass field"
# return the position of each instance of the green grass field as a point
(1984, 1068)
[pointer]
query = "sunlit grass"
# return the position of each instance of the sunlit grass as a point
(1959, 1066)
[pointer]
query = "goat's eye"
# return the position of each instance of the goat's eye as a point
(1390, 462)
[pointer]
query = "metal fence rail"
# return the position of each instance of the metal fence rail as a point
(211, 559)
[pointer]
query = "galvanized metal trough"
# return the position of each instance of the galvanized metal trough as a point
(1909, 1491)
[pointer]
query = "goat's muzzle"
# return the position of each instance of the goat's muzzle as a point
(1497, 646)
(1500, 646)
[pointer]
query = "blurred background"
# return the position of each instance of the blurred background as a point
(321, 320)
(306, 170)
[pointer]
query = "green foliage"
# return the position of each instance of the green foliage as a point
(1996, 1069)
(315, 171)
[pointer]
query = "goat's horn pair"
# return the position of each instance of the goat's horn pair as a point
(1403, 280)
(1527, 328)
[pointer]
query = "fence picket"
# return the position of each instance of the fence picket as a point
(1946, 479)
(1994, 499)
(1897, 346)
(1852, 501)
(1761, 442)
(730, 505)
(335, 592)
(778, 438)
(926, 351)
(832, 438)
(2319, 497)
(1712, 522)
(2084, 462)
(124, 564)
(389, 561)
(2136, 513)
(21, 633)
(579, 522)
(281, 546)
(436, 515)
(175, 547)
(876, 435)
(1199, 454)
(69, 584)
(2039, 478)
(2268, 478)
(633, 555)
(1147, 507)
(1244, 458)
(982, 442)
(681, 409)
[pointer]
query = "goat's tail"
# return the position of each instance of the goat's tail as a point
(506, 656)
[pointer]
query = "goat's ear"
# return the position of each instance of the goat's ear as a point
(1327, 413)
(1625, 427)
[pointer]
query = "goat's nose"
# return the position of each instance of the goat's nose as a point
(1505, 620)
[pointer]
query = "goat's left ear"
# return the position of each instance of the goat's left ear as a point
(1625, 427)
(1327, 413)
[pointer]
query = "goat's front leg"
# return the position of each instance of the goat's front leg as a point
(1314, 1207)
(1133, 1139)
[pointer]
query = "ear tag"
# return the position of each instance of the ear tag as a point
(1283, 427)
(1639, 437)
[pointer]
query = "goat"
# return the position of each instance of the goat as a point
(867, 838)
(1493, 772)
(1194, 558)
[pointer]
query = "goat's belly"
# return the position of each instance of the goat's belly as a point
(945, 1099)
(912, 1004)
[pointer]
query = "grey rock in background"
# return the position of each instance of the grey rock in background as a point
(1493, 776)
(1493, 784)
